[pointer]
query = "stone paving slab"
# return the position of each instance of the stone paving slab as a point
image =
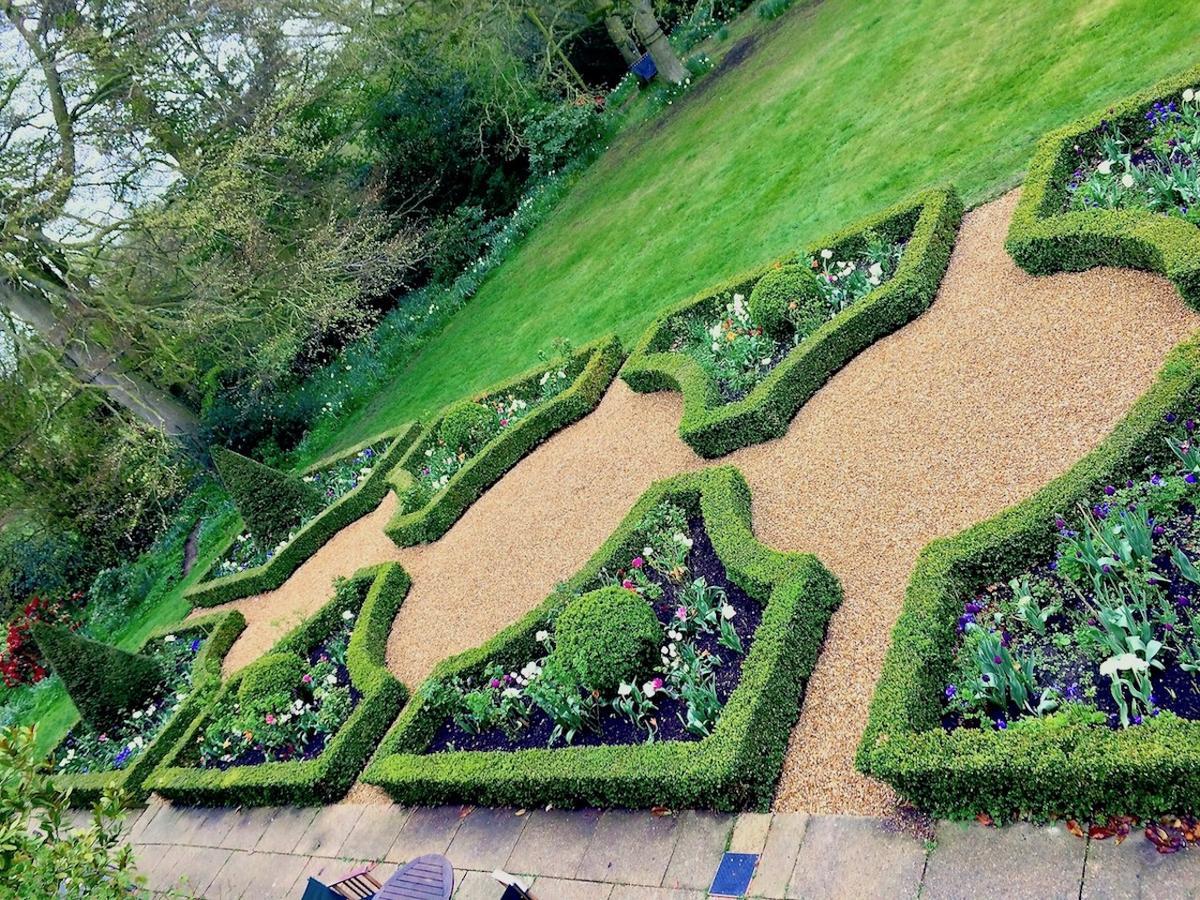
(553, 843)
(258, 875)
(1022, 860)
(629, 847)
(570, 889)
(1134, 870)
(750, 833)
(329, 830)
(853, 856)
(486, 838)
(702, 838)
(779, 854)
(198, 866)
(374, 834)
(640, 892)
(427, 830)
(285, 828)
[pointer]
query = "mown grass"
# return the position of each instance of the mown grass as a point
(838, 109)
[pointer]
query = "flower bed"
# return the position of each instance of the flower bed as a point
(298, 725)
(748, 355)
(333, 482)
(473, 443)
(1078, 758)
(348, 507)
(1117, 188)
(720, 734)
(88, 761)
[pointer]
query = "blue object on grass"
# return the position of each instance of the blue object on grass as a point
(644, 68)
(734, 874)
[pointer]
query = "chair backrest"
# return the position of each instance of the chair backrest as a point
(358, 885)
(315, 890)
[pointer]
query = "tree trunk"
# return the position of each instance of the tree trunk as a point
(620, 36)
(666, 60)
(91, 364)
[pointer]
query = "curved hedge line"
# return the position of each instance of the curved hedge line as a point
(326, 778)
(712, 427)
(222, 630)
(1048, 767)
(1044, 238)
(734, 768)
(313, 536)
(598, 363)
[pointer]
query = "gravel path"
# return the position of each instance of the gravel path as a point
(1001, 386)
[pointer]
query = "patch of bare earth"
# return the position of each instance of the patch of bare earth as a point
(999, 388)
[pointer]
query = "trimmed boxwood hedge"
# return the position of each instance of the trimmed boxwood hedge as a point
(597, 364)
(222, 630)
(736, 767)
(1054, 766)
(379, 592)
(1044, 238)
(712, 427)
(313, 536)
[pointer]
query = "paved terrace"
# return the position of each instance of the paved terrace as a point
(616, 855)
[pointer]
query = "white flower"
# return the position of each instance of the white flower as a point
(532, 670)
(624, 690)
(137, 714)
(169, 639)
(542, 380)
(511, 692)
(728, 612)
(765, 361)
(331, 678)
(1127, 180)
(826, 254)
(347, 615)
(647, 551)
(738, 298)
(562, 374)
(429, 452)
(1188, 95)
(139, 741)
(1122, 662)
(1105, 168)
(674, 635)
(542, 636)
(876, 270)
(683, 539)
(649, 689)
(716, 348)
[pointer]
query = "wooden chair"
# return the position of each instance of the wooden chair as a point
(358, 885)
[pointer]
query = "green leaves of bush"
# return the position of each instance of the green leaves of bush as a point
(271, 502)
(607, 637)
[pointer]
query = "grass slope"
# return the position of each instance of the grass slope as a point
(837, 111)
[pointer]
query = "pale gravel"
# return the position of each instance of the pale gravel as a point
(1000, 387)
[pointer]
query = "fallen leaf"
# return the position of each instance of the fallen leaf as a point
(1074, 828)
(660, 811)
(984, 819)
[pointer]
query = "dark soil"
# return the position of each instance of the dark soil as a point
(616, 729)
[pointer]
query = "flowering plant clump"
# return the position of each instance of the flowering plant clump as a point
(1157, 168)
(1111, 623)
(705, 629)
(737, 353)
(287, 721)
(20, 660)
(332, 483)
(85, 749)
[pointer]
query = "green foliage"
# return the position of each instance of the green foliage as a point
(467, 426)
(787, 300)
(713, 427)
(374, 595)
(1065, 764)
(597, 365)
(103, 681)
(735, 767)
(40, 855)
(456, 241)
(1044, 238)
(269, 678)
(608, 637)
(271, 502)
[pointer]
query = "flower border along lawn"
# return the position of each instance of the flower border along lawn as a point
(1044, 238)
(221, 630)
(736, 767)
(346, 510)
(1062, 764)
(928, 223)
(325, 778)
(597, 365)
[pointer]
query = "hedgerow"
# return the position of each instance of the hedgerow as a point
(735, 767)
(222, 630)
(376, 597)
(596, 364)
(313, 536)
(1045, 238)
(712, 427)
(1060, 764)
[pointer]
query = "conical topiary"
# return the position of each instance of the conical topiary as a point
(271, 502)
(102, 681)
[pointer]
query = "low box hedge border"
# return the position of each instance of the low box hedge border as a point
(1045, 238)
(713, 427)
(325, 778)
(598, 363)
(734, 768)
(222, 630)
(1048, 767)
(314, 535)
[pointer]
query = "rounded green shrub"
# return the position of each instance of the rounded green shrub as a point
(787, 299)
(606, 637)
(467, 426)
(271, 681)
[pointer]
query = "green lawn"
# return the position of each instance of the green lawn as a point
(840, 109)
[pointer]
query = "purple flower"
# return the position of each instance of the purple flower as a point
(1158, 529)
(1170, 417)
(951, 690)
(122, 758)
(1060, 523)
(973, 607)
(1136, 720)
(997, 660)
(194, 646)
(1156, 480)
(1001, 724)
(1190, 477)
(1189, 425)
(1109, 490)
